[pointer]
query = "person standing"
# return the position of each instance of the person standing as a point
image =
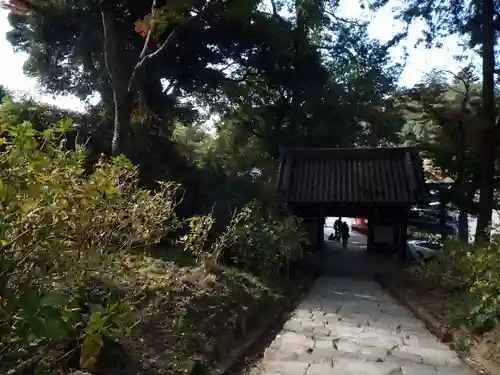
(337, 226)
(345, 234)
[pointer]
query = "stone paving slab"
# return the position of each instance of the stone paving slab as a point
(353, 327)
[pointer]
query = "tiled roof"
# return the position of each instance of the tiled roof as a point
(359, 175)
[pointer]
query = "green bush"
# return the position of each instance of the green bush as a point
(258, 239)
(58, 231)
(262, 240)
(65, 241)
(474, 274)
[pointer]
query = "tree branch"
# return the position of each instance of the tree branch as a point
(145, 57)
(345, 20)
(243, 78)
(254, 132)
(150, 31)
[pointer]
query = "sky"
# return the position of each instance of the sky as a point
(382, 26)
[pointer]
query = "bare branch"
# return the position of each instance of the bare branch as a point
(150, 31)
(254, 132)
(175, 31)
(342, 19)
(144, 58)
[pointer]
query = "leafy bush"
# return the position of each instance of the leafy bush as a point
(65, 252)
(59, 231)
(449, 268)
(258, 239)
(262, 240)
(473, 273)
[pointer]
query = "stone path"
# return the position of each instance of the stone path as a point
(353, 327)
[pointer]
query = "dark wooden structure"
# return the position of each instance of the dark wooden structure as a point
(380, 184)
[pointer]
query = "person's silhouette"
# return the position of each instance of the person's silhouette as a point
(337, 226)
(345, 234)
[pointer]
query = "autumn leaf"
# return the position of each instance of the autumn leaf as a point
(139, 28)
(143, 26)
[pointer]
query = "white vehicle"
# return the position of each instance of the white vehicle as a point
(429, 219)
(420, 250)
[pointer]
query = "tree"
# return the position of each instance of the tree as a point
(477, 22)
(443, 119)
(337, 89)
(347, 85)
(115, 61)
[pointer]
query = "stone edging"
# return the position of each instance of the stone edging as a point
(445, 334)
(236, 356)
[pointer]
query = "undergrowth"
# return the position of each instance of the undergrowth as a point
(84, 283)
(470, 274)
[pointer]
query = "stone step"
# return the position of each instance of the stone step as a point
(353, 328)
(297, 347)
(347, 366)
(403, 355)
(344, 335)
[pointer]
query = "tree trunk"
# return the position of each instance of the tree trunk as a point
(488, 94)
(107, 100)
(124, 105)
(125, 78)
(442, 219)
(119, 74)
(300, 35)
(463, 203)
(463, 221)
(463, 226)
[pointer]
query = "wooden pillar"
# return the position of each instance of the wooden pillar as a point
(310, 229)
(321, 232)
(396, 235)
(370, 241)
(403, 238)
(315, 230)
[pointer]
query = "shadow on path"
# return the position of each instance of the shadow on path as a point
(352, 262)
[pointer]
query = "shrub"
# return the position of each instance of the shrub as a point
(66, 240)
(59, 232)
(258, 239)
(262, 240)
(448, 268)
(472, 273)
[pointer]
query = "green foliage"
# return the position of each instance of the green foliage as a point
(245, 66)
(257, 239)
(261, 240)
(64, 237)
(272, 80)
(58, 228)
(472, 273)
(436, 114)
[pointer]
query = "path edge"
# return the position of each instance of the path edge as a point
(237, 356)
(449, 336)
